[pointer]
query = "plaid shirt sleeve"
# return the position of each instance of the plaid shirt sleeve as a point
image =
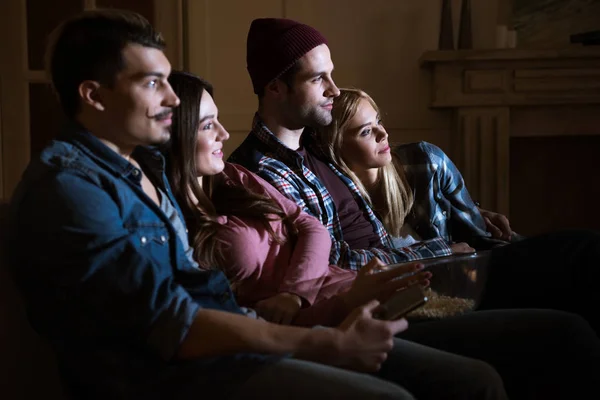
(355, 259)
(453, 188)
(341, 254)
(279, 177)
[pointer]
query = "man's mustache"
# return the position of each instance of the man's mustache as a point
(160, 115)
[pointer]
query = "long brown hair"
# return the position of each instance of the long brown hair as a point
(392, 186)
(202, 205)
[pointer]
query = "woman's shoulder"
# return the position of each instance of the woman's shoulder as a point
(239, 175)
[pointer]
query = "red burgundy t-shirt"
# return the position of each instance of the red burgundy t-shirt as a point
(356, 228)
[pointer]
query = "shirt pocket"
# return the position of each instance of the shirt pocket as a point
(149, 233)
(151, 238)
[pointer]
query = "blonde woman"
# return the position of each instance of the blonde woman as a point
(416, 189)
(419, 194)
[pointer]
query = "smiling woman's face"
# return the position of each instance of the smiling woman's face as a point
(365, 141)
(209, 138)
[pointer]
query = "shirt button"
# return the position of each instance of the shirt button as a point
(224, 297)
(444, 213)
(163, 238)
(136, 172)
(144, 240)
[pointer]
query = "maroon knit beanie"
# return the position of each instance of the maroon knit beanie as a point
(274, 45)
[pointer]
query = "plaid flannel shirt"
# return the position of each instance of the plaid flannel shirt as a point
(262, 153)
(442, 205)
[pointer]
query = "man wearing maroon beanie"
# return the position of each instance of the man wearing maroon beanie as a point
(291, 71)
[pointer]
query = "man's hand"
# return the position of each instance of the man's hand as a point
(497, 224)
(281, 308)
(362, 342)
(459, 248)
(377, 281)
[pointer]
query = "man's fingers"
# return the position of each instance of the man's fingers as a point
(398, 325)
(504, 225)
(493, 229)
(371, 306)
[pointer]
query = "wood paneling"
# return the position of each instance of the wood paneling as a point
(42, 17)
(480, 151)
(45, 116)
(143, 7)
(217, 52)
(14, 93)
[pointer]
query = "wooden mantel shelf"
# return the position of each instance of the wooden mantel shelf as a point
(514, 77)
(449, 56)
(484, 87)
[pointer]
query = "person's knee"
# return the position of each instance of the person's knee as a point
(564, 326)
(578, 337)
(482, 381)
(397, 393)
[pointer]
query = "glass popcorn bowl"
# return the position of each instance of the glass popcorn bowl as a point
(456, 287)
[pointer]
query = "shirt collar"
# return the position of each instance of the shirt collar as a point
(281, 151)
(87, 142)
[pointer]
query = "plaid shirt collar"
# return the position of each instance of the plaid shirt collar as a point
(280, 151)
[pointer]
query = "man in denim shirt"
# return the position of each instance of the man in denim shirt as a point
(101, 254)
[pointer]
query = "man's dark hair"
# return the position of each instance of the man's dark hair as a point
(90, 46)
(287, 77)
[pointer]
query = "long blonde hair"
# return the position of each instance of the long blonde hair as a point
(391, 185)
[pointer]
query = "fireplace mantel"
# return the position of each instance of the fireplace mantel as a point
(485, 88)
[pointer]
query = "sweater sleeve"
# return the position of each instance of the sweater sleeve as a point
(308, 266)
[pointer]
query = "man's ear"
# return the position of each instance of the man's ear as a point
(276, 88)
(89, 92)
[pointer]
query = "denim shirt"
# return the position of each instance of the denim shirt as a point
(105, 277)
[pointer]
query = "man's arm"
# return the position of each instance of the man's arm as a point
(354, 259)
(88, 273)
(341, 254)
(360, 343)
